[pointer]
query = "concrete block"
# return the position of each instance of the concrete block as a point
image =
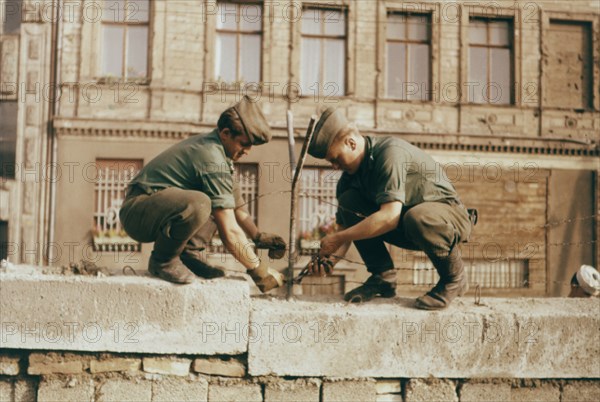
(172, 389)
(388, 386)
(25, 390)
(545, 392)
(123, 314)
(581, 391)
(518, 338)
(6, 391)
(53, 389)
(364, 391)
(168, 366)
(54, 363)
(226, 368)
(484, 392)
(9, 365)
(430, 390)
(235, 392)
(115, 364)
(305, 390)
(122, 390)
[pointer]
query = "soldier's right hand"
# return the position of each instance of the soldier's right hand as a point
(320, 266)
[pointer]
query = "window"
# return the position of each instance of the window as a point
(490, 61)
(323, 69)
(112, 177)
(317, 207)
(239, 42)
(125, 39)
(408, 56)
(487, 274)
(8, 138)
(10, 16)
(568, 65)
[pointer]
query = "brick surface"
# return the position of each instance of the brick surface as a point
(484, 392)
(349, 391)
(169, 366)
(6, 391)
(53, 363)
(430, 390)
(121, 390)
(115, 364)
(53, 390)
(545, 392)
(291, 391)
(174, 389)
(25, 390)
(581, 391)
(227, 368)
(235, 393)
(9, 365)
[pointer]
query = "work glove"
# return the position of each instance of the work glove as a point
(320, 266)
(274, 243)
(265, 277)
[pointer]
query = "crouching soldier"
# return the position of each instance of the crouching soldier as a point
(175, 198)
(390, 191)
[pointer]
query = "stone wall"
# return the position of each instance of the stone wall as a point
(142, 339)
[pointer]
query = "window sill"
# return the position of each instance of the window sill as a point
(117, 80)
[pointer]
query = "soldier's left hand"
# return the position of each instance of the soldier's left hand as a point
(273, 242)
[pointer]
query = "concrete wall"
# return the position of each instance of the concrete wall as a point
(100, 339)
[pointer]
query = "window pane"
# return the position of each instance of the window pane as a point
(335, 67)
(112, 51)
(500, 76)
(499, 33)
(113, 11)
(478, 32)
(12, 16)
(396, 26)
(418, 28)
(137, 52)
(8, 138)
(226, 57)
(396, 69)
(251, 17)
(227, 14)
(311, 62)
(418, 77)
(250, 58)
(311, 21)
(477, 74)
(137, 10)
(335, 22)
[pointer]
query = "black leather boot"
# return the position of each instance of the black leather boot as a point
(382, 285)
(193, 260)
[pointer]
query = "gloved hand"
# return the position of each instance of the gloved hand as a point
(265, 277)
(274, 243)
(320, 266)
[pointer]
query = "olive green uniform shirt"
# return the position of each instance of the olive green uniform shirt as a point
(395, 170)
(197, 163)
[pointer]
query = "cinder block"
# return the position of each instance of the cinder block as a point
(305, 390)
(544, 392)
(581, 391)
(226, 368)
(484, 392)
(418, 390)
(388, 387)
(6, 391)
(54, 363)
(9, 365)
(173, 389)
(364, 391)
(25, 390)
(165, 365)
(233, 392)
(52, 390)
(121, 390)
(115, 364)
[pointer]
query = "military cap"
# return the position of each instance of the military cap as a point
(253, 120)
(329, 125)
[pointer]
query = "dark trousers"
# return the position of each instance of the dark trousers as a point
(171, 218)
(432, 227)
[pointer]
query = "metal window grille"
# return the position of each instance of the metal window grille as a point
(111, 181)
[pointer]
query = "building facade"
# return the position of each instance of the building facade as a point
(505, 95)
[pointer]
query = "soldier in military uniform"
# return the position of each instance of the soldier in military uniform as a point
(175, 198)
(390, 191)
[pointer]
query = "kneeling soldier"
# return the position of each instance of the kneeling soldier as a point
(391, 192)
